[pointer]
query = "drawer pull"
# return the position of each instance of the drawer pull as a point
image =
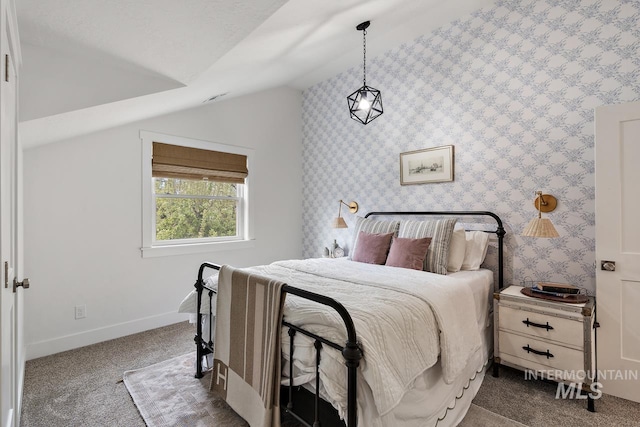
(548, 327)
(538, 352)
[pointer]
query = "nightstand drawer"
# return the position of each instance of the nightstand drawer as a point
(542, 326)
(545, 353)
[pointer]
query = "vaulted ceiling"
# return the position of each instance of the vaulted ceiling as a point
(91, 64)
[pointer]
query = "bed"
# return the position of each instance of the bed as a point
(415, 343)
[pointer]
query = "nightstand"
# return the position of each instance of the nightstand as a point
(546, 339)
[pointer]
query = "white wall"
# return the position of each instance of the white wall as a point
(57, 81)
(82, 204)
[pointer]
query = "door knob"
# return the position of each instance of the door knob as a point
(608, 265)
(24, 284)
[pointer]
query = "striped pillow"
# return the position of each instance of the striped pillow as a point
(371, 226)
(440, 232)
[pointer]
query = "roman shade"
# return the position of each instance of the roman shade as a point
(175, 161)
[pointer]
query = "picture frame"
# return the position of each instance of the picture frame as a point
(427, 166)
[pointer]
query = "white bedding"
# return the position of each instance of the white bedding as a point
(431, 401)
(428, 321)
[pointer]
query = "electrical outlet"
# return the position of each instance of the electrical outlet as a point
(81, 311)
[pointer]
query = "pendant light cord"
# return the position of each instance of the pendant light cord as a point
(364, 56)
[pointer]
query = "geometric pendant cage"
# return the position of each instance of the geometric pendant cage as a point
(365, 104)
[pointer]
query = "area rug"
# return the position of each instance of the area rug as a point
(168, 395)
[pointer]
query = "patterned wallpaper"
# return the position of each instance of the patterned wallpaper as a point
(513, 87)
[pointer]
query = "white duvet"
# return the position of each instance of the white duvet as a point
(404, 320)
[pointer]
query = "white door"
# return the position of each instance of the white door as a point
(617, 155)
(11, 351)
(8, 254)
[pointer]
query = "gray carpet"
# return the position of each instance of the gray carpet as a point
(533, 403)
(84, 387)
(166, 394)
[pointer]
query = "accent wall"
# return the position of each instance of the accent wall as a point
(513, 87)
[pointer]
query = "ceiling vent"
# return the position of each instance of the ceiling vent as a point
(214, 97)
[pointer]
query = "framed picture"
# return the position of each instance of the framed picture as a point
(426, 166)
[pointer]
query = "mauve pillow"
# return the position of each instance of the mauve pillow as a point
(408, 253)
(372, 248)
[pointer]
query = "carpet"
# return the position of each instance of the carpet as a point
(168, 395)
(480, 417)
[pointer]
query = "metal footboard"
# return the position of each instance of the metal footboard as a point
(350, 351)
(203, 347)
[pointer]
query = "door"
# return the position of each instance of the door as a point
(617, 162)
(8, 360)
(11, 350)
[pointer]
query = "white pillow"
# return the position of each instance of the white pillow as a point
(476, 249)
(457, 249)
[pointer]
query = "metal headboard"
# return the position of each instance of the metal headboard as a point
(499, 231)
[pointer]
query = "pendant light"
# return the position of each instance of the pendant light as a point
(365, 104)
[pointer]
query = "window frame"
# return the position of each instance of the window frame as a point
(152, 248)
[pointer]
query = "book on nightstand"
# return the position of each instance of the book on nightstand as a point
(556, 289)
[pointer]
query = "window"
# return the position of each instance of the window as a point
(195, 195)
(188, 210)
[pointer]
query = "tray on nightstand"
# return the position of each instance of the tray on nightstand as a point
(571, 299)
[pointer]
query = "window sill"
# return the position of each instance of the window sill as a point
(195, 248)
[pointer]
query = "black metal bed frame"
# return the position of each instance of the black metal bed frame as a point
(351, 351)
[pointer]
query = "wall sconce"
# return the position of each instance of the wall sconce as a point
(542, 227)
(339, 221)
(365, 104)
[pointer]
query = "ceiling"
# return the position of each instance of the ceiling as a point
(195, 49)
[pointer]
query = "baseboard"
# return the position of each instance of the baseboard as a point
(81, 339)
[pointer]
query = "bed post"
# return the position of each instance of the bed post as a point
(200, 342)
(501, 233)
(198, 338)
(352, 355)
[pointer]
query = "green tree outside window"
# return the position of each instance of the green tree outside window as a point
(188, 209)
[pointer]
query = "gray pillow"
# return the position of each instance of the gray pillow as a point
(440, 231)
(371, 226)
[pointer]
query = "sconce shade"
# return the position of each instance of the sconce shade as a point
(365, 104)
(540, 227)
(339, 223)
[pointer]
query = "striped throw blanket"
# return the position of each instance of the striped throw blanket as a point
(246, 367)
